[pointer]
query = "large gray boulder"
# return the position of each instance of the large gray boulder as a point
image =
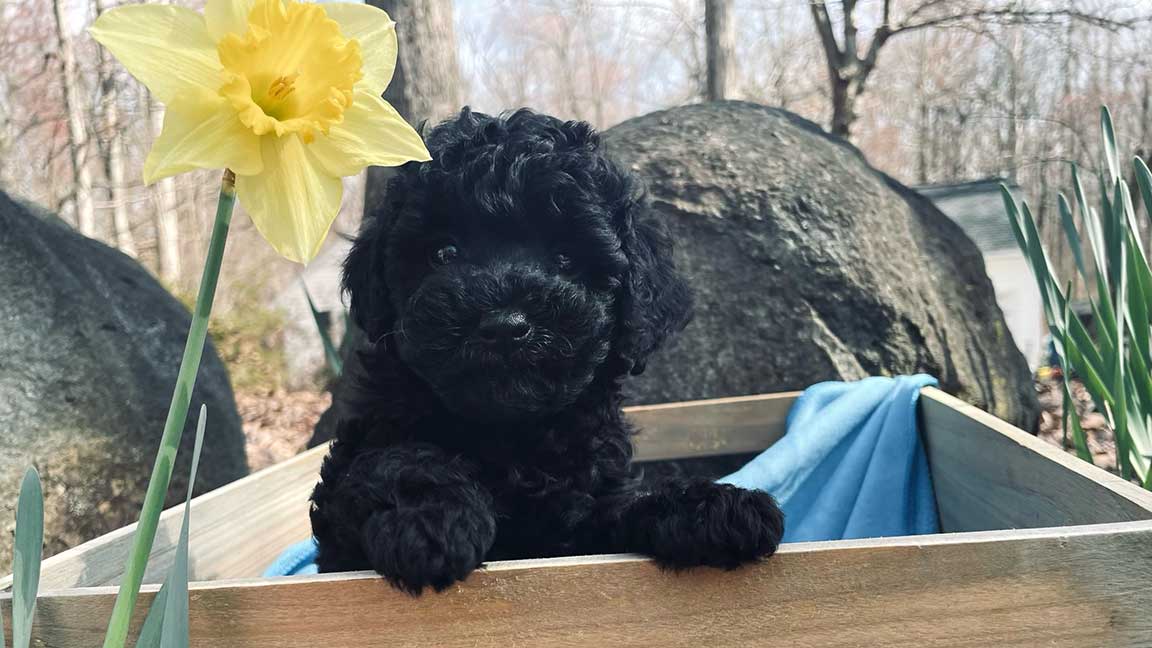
(810, 265)
(89, 348)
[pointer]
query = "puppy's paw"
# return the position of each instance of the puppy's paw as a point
(415, 548)
(687, 523)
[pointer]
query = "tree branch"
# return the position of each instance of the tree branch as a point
(1016, 17)
(832, 53)
(851, 53)
(1005, 16)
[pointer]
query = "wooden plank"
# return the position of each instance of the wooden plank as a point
(1083, 586)
(238, 530)
(710, 427)
(989, 474)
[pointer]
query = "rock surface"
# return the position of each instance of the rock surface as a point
(89, 348)
(810, 265)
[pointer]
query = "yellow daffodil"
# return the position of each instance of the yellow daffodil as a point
(284, 93)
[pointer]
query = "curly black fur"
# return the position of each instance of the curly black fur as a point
(506, 289)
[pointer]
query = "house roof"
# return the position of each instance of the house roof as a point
(978, 209)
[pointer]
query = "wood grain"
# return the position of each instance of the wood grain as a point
(988, 474)
(1084, 586)
(238, 530)
(705, 428)
(1069, 586)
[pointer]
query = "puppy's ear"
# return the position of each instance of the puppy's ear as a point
(656, 302)
(364, 280)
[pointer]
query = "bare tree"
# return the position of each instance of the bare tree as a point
(113, 139)
(426, 84)
(77, 129)
(427, 81)
(166, 215)
(982, 88)
(721, 39)
(850, 63)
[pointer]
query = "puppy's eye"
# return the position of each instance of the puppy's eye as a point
(445, 255)
(563, 262)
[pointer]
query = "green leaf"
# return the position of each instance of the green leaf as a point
(1091, 222)
(1144, 179)
(166, 625)
(1137, 319)
(150, 631)
(1128, 213)
(1111, 154)
(335, 365)
(1013, 216)
(29, 549)
(1111, 223)
(174, 633)
(1105, 312)
(1141, 380)
(1119, 376)
(1072, 418)
(1138, 449)
(1078, 346)
(1037, 249)
(1023, 226)
(1069, 222)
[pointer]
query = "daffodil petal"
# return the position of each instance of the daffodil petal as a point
(377, 36)
(166, 48)
(202, 131)
(372, 133)
(294, 201)
(227, 17)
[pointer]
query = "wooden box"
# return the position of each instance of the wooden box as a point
(1038, 549)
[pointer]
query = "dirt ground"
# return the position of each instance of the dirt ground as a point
(1100, 440)
(278, 424)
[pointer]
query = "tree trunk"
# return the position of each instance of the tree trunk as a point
(1145, 147)
(721, 41)
(167, 219)
(121, 224)
(114, 143)
(843, 107)
(77, 130)
(426, 85)
(847, 73)
(1011, 143)
(923, 127)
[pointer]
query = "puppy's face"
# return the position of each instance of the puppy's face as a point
(504, 315)
(508, 268)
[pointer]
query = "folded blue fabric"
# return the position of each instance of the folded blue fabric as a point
(297, 560)
(851, 465)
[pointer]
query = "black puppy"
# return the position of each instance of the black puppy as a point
(506, 289)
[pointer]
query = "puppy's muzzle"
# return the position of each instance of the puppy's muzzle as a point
(504, 329)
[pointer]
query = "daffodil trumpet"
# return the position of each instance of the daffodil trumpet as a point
(286, 97)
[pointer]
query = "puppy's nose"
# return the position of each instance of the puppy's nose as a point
(504, 327)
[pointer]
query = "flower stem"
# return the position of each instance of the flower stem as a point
(174, 426)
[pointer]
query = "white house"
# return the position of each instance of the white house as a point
(978, 209)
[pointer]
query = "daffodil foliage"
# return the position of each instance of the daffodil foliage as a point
(284, 93)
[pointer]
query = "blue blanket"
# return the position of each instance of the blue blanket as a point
(851, 465)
